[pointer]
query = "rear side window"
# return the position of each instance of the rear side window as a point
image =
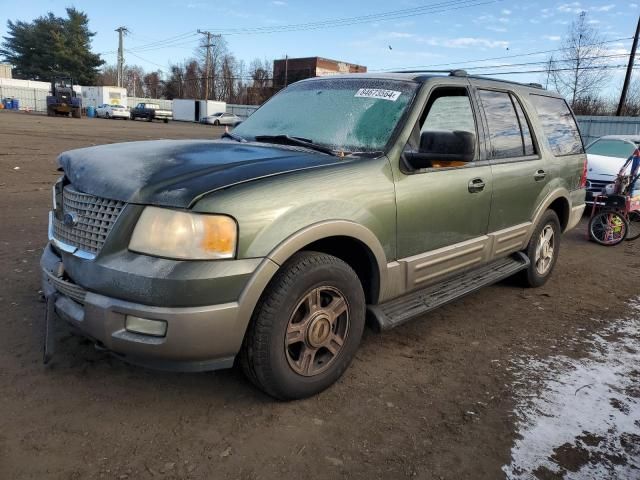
(509, 132)
(527, 141)
(558, 125)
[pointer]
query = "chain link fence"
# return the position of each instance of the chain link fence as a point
(593, 127)
(30, 99)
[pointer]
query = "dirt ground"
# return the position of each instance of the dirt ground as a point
(437, 398)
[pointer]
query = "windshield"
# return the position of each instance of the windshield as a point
(612, 148)
(351, 115)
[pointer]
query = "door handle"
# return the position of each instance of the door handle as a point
(539, 175)
(476, 185)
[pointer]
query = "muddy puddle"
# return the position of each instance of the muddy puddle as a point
(580, 418)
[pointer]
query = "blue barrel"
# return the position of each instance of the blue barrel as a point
(91, 111)
(16, 104)
(8, 104)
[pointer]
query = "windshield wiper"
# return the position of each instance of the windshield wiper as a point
(296, 141)
(234, 136)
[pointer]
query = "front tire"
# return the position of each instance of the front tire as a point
(306, 328)
(543, 250)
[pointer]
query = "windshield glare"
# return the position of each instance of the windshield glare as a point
(611, 148)
(350, 115)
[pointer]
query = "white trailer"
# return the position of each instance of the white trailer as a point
(209, 107)
(191, 110)
(184, 110)
(94, 96)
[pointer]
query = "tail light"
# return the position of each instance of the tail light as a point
(583, 179)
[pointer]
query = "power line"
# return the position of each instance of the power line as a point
(144, 59)
(160, 43)
(553, 70)
(438, 7)
(503, 57)
(544, 62)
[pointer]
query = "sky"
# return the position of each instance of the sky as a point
(426, 34)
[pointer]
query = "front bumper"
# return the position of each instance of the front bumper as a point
(198, 338)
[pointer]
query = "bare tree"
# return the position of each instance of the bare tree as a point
(261, 87)
(152, 84)
(577, 70)
(133, 75)
(133, 79)
(632, 102)
(108, 76)
(211, 68)
(192, 80)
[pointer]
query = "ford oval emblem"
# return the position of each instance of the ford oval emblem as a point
(70, 219)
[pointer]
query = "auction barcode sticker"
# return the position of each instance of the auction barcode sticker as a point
(380, 93)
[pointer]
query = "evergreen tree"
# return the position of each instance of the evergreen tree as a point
(52, 46)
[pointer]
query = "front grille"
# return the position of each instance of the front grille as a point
(596, 186)
(65, 287)
(89, 220)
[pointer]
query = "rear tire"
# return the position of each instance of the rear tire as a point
(543, 250)
(633, 232)
(608, 228)
(306, 328)
(166, 120)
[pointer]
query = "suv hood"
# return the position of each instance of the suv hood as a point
(600, 167)
(174, 173)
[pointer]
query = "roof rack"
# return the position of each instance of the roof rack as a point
(463, 73)
(502, 80)
(452, 73)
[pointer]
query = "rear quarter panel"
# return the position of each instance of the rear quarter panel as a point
(564, 173)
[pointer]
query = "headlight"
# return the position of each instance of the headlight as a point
(184, 235)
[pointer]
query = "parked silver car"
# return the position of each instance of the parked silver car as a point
(221, 118)
(112, 111)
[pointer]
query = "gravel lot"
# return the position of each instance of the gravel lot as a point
(504, 383)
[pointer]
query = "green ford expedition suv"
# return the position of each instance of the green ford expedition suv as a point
(355, 197)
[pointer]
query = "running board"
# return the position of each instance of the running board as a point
(400, 310)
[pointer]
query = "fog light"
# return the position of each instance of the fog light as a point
(145, 326)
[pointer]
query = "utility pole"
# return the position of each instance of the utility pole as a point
(121, 32)
(286, 70)
(627, 77)
(207, 61)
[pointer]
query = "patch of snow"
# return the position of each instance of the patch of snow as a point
(580, 419)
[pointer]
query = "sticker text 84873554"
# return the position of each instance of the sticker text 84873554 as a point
(391, 95)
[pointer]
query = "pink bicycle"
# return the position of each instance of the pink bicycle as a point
(615, 215)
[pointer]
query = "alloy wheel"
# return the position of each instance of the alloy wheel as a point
(545, 250)
(317, 331)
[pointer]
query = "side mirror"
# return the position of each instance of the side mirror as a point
(442, 146)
